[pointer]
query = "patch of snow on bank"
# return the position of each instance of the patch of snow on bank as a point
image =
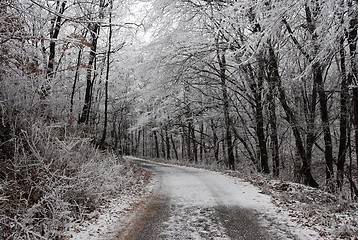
(104, 222)
(101, 223)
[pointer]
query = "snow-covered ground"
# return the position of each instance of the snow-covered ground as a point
(320, 214)
(115, 214)
(102, 223)
(287, 210)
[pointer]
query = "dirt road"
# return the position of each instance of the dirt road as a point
(197, 204)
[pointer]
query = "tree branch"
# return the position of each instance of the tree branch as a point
(294, 39)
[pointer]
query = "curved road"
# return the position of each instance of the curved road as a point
(192, 203)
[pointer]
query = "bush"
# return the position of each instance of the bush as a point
(50, 177)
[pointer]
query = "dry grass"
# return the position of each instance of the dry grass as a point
(50, 177)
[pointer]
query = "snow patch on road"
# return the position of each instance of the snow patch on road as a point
(193, 223)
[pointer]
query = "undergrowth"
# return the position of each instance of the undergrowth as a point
(49, 177)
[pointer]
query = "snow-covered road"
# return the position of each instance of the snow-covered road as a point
(181, 203)
(192, 203)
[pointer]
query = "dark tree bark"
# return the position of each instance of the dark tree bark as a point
(55, 30)
(310, 109)
(318, 79)
(156, 142)
(144, 138)
(306, 161)
(56, 23)
(248, 149)
(108, 67)
(183, 142)
(215, 141)
(188, 142)
(79, 57)
(353, 75)
(344, 118)
(151, 145)
(260, 128)
(317, 70)
(167, 142)
(138, 134)
(306, 164)
(202, 144)
(230, 146)
(162, 143)
(187, 126)
(355, 118)
(257, 107)
(114, 131)
(94, 28)
(272, 80)
(195, 144)
(257, 89)
(174, 147)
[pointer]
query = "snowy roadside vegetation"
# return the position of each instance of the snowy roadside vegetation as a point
(331, 216)
(310, 210)
(51, 179)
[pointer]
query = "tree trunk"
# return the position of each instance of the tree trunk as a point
(230, 146)
(215, 141)
(353, 75)
(310, 110)
(272, 113)
(343, 118)
(305, 156)
(355, 118)
(167, 141)
(151, 145)
(257, 109)
(108, 67)
(89, 84)
(224, 151)
(306, 162)
(317, 70)
(188, 143)
(137, 141)
(79, 57)
(174, 147)
(318, 79)
(260, 129)
(156, 144)
(195, 144)
(202, 144)
(144, 149)
(162, 143)
(249, 151)
(114, 131)
(183, 142)
(120, 142)
(55, 30)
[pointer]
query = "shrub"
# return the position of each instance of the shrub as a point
(50, 177)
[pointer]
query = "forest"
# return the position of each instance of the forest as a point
(256, 86)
